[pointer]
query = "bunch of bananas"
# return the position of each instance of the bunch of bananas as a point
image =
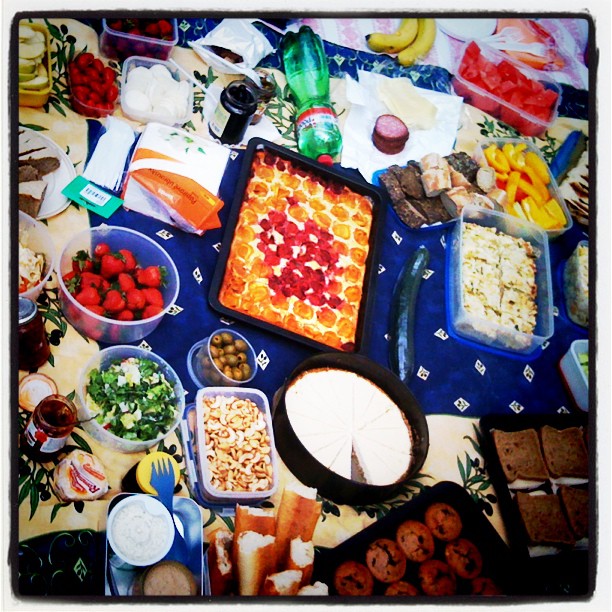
(411, 41)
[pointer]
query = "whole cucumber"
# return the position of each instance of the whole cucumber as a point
(403, 307)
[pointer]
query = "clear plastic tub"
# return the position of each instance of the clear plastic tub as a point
(183, 93)
(101, 361)
(202, 368)
(35, 236)
(576, 284)
(147, 253)
(514, 115)
(211, 493)
(36, 98)
(574, 374)
(478, 329)
(553, 188)
(118, 45)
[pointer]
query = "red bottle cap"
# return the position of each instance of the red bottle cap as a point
(325, 159)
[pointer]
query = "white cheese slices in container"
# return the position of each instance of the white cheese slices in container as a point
(152, 90)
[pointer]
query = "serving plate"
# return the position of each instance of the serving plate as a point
(323, 174)
(119, 576)
(498, 561)
(467, 29)
(566, 571)
(54, 201)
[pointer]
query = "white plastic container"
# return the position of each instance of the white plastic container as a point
(140, 530)
(574, 374)
(214, 494)
(35, 236)
(553, 188)
(162, 86)
(496, 336)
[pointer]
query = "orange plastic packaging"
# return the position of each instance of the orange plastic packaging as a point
(532, 32)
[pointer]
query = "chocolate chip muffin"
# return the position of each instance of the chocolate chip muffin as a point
(385, 560)
(464, 558)
(416, 541)
(444, 521)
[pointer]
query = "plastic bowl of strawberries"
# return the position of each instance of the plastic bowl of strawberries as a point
(93, 86)
(115, 284)
(146, 37)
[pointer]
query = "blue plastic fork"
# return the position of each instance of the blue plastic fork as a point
(162, 480)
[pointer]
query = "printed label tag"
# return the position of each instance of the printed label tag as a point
(92, 197)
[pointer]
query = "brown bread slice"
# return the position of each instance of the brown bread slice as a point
(31, 196)
(575, 504)
(520, 455)
(544, 520)
(565, 452)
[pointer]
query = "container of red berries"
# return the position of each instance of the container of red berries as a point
(115, 284)
(146, 37)
(93, 86)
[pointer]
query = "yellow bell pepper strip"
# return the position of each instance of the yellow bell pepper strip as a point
(518, 211)
(530, 190)
(554, 210)
(537, 182)
(496, 159)
(534, 161)
(513, 155)
(511, 186)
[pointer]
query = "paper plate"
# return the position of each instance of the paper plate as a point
(467, 29)
(54, 201)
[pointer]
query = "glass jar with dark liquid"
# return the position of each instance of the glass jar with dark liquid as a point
(48, 428)
(34, 347)
(237, 104)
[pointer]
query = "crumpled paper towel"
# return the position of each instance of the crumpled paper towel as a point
(358, 150)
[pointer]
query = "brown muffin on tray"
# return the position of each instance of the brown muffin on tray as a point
(444, 521)
(436, 578)
(401, 588)
(416, 541)
(385, 560)
(464, 558)
(353, 578)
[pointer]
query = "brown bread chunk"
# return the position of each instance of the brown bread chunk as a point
(575, 503)
(565, 452)
(520, 455)
(544, 520)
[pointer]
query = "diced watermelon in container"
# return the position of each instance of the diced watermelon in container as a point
(493, 82)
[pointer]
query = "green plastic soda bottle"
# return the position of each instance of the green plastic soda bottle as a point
(305, 64)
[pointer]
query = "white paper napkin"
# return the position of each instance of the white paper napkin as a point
(359, 152)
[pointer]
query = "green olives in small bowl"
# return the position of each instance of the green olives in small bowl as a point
(223, 359)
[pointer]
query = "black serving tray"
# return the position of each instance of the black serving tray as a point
(326, 173)
(562, 573)
(498, 561)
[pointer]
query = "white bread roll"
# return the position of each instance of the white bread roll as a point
(318, 588)
(260, 520)
(256, 559)
(285, 583)
(220, 566)
(301, 557)
(79, 477)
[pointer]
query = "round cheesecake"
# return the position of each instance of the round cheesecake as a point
(350, 425)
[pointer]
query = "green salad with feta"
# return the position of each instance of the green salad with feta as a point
(132, 399)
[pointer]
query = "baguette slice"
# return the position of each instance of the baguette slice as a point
(565, 452)
(317, 589)
(260, 520)
(256, 560)
(520, 455)
(285, 583)
(297, 517)
(220, 566)
(575, 503)
(301, 557)
(544, 520)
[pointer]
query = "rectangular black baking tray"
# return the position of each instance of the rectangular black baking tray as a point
(363, 188)
(565, 573)
(498, 561)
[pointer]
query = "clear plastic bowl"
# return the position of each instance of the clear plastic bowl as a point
(574, 375)
(147, 116)
(36, 236)
(488, 333)
(147, 252)
(204, 371)
(121, 45)
(553, 188)
(524, 122)
(102, 361)
(211, 493)
(148, 505)
(576, 286)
